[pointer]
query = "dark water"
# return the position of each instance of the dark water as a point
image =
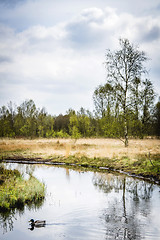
(87, 205)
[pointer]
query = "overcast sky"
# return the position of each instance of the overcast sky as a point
(52, 51)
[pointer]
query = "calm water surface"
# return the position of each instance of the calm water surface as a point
(87, 205)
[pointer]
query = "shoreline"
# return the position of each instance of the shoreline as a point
(141, 158)
(53, 162)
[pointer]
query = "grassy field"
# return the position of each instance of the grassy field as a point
(141, 157)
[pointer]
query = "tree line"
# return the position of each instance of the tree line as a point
(28, 121)
(124, 106)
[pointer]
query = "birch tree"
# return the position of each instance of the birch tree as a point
(123, 67)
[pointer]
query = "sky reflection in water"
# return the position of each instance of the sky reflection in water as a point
(88, 205)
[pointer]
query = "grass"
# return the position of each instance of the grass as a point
(15, 192)
(142, 157)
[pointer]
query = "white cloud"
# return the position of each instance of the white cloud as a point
(64, 61)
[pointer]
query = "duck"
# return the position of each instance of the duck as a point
(37, 223)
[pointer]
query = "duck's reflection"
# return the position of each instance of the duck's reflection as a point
(32, 227)
(37, 224)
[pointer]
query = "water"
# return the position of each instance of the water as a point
(87, 205)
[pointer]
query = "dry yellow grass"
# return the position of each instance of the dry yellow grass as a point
(108, 148)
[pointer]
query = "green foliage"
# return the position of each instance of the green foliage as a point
(84, 123)
(15, 191)
(75, 132)
(157, 118)
(73, 126)
(111, 127)
(25, 121)
(50, 133)
(103, 98)
(61, 134)
(135, 128)
(61, 122)
(81, 123)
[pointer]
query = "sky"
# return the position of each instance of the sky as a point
(52, 51)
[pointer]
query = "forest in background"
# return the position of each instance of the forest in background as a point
(27, 120)
(124, 106)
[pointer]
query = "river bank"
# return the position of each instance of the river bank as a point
(141, 158)
(82, 204)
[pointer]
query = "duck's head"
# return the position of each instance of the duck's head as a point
(31, 221)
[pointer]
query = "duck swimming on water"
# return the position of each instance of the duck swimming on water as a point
(37, 223)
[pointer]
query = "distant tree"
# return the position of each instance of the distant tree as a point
(41, 122)
(84, 123)
(61, 122)
(29, 113)
(7, 117)
(123, 67)
(103, 99)
(73, 126)
(135, 109)
(49, 129)
(157, 118)
(12, 114)
(148, 97)
(136, 96)
(4, 123)
(99, 98)
(19, 121)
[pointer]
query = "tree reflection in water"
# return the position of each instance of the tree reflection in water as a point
(6, 222)
(128, 205)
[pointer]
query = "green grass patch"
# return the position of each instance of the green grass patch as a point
(15, 191)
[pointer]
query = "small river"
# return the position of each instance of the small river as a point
(86, 205)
